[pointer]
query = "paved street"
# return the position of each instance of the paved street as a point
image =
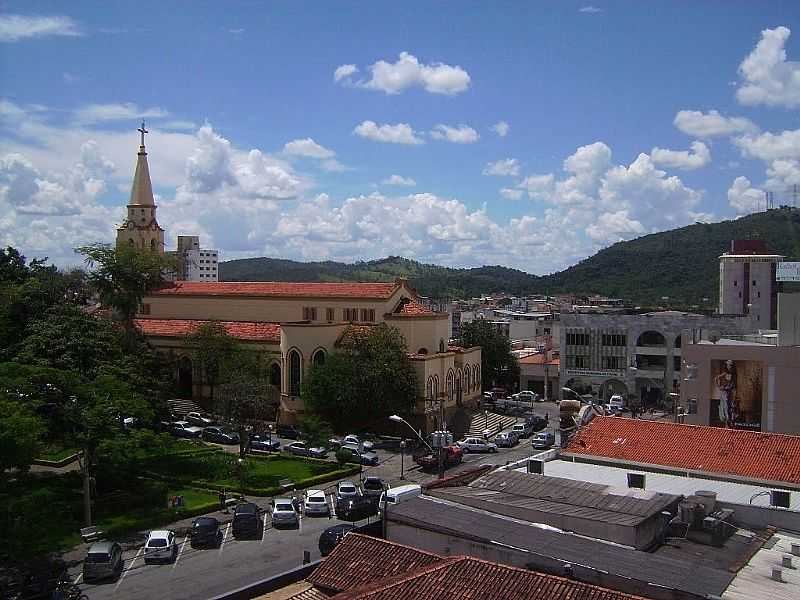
(206, 573)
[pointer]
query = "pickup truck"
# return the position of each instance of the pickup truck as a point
(452, 456)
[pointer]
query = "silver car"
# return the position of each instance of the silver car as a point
(347, 490)
(160, 546)
(104, 560)
(284, 514)
(316, 503)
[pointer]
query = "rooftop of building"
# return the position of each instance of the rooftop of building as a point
(539, 359)
(281, 289)
(241, 330)
(517, 494)
(751, 455)
(548, 545)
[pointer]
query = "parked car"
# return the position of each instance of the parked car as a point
(475, 444)
(247, 521)
(506, 439)
(523, 430)
(265, 443)
(160, 546)
(199, 419)
(543, 440)
(373, 486)
(104, 560)
(347, 489)
(185, 430)
(617, 401)
(220, 435)
(525, 396)
(361, 444)
(536, 422)
(329, 538)
(366, 457)
(205, 532)
(284, 513)
(611, 409)
(356, 508)
(489, 397)
(302, 449)
(288, 431)
(453, 455)
(316, 504)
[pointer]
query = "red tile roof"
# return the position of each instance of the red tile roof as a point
(412, 308)
(538, 359)
(371, 291)
(460, 577)
(360, 560)
(763, 456)
(242, 330)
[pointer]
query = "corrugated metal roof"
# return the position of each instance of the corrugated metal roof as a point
(450, 519)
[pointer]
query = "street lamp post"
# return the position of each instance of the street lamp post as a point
(270, 437)
(402, 459)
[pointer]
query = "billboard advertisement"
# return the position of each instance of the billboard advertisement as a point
(787, 271)
(736, 393)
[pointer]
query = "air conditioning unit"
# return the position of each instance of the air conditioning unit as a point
(780, 498)
(636, 480)
(535, 467)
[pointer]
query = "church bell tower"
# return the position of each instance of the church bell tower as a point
(140, 229)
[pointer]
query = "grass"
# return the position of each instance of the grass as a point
(56, 452)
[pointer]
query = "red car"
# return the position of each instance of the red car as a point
(453, 456)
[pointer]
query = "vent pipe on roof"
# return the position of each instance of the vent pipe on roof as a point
(786, 563)
(796, 549)
(777, 574)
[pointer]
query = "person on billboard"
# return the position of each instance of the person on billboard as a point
(726, 384)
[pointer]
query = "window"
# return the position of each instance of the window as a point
(691, 406)
(578, 362)
(614, 339)
(350, 314)
(577, 339)
(759, 294)
(318, 358)
(735, 283)
(368, 314)
(309, 313)
(275, 375)
(612, 362)
(754, 282)
(330, 314)
(294, 373)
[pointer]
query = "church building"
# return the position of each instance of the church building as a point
(296, 325)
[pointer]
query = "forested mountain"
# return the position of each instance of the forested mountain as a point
(681, 264)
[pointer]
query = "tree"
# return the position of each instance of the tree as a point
(368, 379)
(123, 276)
(20, 432)
(213, 351)
(499, 367)
(316, 432)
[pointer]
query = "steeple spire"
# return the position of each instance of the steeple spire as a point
(142, 189)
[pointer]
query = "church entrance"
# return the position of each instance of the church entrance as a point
(185, 378)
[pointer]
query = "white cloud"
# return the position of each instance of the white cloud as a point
(14, 28)
(408, 72)
(344, 71)
(399, 180)
(592, 10)
(508, 167)
(333, 166)
(745, 198)
(463, 134)
(767, 77)
(782, 175)
(511, 194)
(98, 113)
(538, 186)
(501, 128)
(308, 147)
(399, 133)
(712, 124)
(770, 146)
(615, 226)
(699, 157)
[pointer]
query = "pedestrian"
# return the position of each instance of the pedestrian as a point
(222, 506)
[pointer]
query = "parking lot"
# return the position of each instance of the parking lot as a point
(204, 573)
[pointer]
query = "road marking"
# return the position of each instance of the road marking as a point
(264, 531)
(177, 558)
(130, 566)
(224, 537)
(78, 579)
(333, 509)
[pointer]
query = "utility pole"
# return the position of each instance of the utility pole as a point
(442, 435)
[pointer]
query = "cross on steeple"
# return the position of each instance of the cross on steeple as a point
(142, 130)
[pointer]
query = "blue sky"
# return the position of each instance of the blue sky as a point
(348, 131)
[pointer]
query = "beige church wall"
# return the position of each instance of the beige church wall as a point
(422, 332)
(309, 337)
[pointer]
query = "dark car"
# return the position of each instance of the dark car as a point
(265, 443)
(104, 560)
(206, 532)
(536, 422)
(289, 431)
(247, 521)
(356, 508)
(373, 486)
(332, 536)
(220, 435)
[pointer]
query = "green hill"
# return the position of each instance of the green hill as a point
(681, 264)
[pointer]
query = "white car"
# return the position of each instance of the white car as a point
(160, 546)
(353, 439)
(475, 444)
(525, 396)
(316, 503)
(347, 489)
(283, 513)
(199, 420)
(186, 430)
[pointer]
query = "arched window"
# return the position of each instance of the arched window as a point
(678, 342)
(130, 242)
(450, 383)
(651, 339)
(319, 357)
(294, 373)
(422, 351)
(468, 378)
(478, 376)
(275, 374)
(153, 245)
